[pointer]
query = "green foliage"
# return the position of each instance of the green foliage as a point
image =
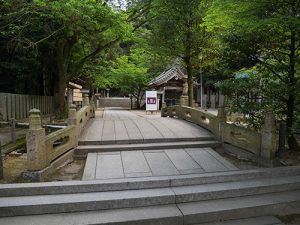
(130, 74)
(177, 31)
(61, 37)
(264, 34)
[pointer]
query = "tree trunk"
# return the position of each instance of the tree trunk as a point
(190, 80)
(293, 145)
(62, 58)
(189, 69)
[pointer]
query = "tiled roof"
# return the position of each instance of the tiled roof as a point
(164, 77)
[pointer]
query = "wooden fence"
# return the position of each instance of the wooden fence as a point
(18, 106)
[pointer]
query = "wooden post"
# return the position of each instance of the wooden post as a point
(13, 130)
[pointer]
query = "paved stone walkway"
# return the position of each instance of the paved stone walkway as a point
(121, 125)
(147, 163)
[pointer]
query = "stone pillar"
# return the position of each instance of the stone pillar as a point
(220, 120)
(268, 137)
(35, 143)
(72, 115)
(73, 121)
(184, 100)
(221, 113)
(93, 108)
(85, 100)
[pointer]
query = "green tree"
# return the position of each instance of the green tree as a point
(77, 32)
(274, 26)
(177, 31)
(130, 74)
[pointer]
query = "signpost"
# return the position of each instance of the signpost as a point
(151, 101)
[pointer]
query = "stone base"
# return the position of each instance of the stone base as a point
(184, 101)
(267, 162)
(41, 175)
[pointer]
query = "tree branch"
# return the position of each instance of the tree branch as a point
(92, 54)
(269, 67)
(142, 10)
(31, 44)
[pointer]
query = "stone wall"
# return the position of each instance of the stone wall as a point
(115, 102)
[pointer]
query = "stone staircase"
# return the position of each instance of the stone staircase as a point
(184, 199)
(86, 147)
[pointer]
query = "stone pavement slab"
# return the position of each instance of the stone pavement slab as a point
(89, 172)
(160, 164)
(181, 159)
(109, 131)
(133, 131)
(109, 166)
(147, 129)
(208, 162)
(135, 164)
(121, 131)
(153, 163)
(121, 125)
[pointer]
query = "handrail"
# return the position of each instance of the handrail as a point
(43, 149)
(263, 143)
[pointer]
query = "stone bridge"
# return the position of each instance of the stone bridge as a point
(148, 169)
(122, 143)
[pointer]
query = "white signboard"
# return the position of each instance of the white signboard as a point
(151, 101)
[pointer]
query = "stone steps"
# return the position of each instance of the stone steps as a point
(194, 201)
(264, 220)
(163, 215)
(71, 187)
(185, 213)
(145, 141)
(280, 203)
(82, 150)
(186, 199)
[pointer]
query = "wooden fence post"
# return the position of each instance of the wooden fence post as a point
(13, 130)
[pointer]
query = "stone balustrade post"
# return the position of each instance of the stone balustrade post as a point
(35, 142)
(220, 119)
(268, 137)
(72, 120)
(72, 115)
(163, 108)
(93, 108)
(85, 100)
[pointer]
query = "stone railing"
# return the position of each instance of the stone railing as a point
(43, 150)
(263, 144)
